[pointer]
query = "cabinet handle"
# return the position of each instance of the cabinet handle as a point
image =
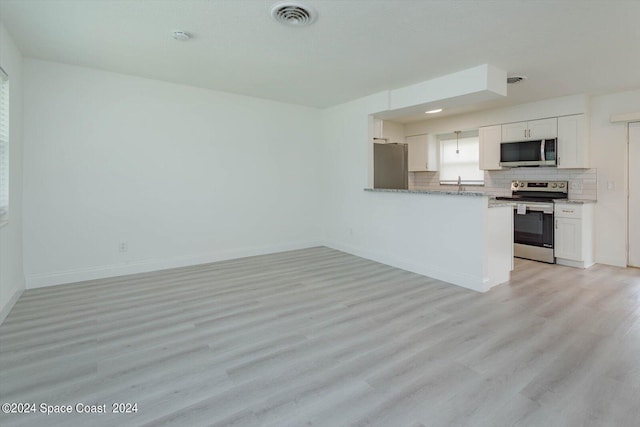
(556, 224)
(426, 165)
(525, 133)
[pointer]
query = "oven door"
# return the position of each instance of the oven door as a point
(535, 228)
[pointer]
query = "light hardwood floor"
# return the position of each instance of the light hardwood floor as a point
(318, 337)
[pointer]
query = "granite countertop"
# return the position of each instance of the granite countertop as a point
(437, 192)
(576, 201)
(495, 203)
(500, 203)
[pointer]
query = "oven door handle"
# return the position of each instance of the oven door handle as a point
(543, 209)
(542, 157)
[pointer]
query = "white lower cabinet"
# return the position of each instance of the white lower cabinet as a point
(568, 239)
(573, 234)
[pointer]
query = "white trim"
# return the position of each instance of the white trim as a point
(145, 266)
(572, 263)
(477, 284)
(4, 223)
(4, 312)
(625, 117)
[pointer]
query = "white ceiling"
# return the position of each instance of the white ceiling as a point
(355, 48)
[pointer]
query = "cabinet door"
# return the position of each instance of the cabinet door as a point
(543, 129)
(514, 132)
(573, 149)
(377, 128)
(423, 153)
(418, 153)
(490, 137)
(568, 239)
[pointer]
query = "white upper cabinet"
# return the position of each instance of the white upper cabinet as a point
(531, 130)
(514, 132)
(490, 138)
(573, 144)
(389, 132)
(423, 153)
(543, 129)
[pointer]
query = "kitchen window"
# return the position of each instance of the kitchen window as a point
(460, 157)
(4, 147)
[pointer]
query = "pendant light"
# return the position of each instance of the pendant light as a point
(457, 141)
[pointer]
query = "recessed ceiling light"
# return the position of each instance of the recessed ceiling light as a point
(182, 36)
(437, 110)
(293, 14)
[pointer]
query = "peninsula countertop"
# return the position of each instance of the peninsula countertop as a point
(437, 192)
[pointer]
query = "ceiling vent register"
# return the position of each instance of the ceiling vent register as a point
(515, 79)
(293, 14)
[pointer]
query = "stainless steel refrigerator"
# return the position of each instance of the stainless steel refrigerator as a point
(390, 166)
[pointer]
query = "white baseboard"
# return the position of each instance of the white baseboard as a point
(145, 266)
(4, 311)
(576, 264)
(477, 284)
(613, 261)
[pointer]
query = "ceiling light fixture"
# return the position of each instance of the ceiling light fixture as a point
(437, 110)
(182, 36)
(293, 14)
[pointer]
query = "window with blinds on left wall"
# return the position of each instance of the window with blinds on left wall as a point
(4, 147)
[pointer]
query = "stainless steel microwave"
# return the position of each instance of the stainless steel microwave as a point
(541, 152)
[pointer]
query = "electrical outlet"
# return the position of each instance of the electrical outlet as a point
(123, 247)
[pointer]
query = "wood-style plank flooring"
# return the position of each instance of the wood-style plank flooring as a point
(318, 337)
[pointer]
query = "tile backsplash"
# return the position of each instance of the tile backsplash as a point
(582, 182)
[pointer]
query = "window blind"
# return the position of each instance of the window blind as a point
(4, 146)
(464, 164)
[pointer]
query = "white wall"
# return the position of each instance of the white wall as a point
(609, 153)
(187, 175)
(420, 233)
(184, 175)
(11, 270)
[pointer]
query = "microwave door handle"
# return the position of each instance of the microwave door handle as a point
(542, 151)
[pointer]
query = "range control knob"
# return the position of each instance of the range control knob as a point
(522, 184)
(515, 184)
(561, 185)
(554, 185)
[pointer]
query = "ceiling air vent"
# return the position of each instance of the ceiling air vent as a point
(515, 79)
(293, 14)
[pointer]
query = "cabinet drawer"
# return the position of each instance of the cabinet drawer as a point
(568, 211)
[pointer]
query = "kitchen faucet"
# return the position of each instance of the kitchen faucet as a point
(460, 188)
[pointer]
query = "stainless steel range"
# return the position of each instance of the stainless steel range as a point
(533, 217)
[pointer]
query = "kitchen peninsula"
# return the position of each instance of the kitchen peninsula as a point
(455, 236)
